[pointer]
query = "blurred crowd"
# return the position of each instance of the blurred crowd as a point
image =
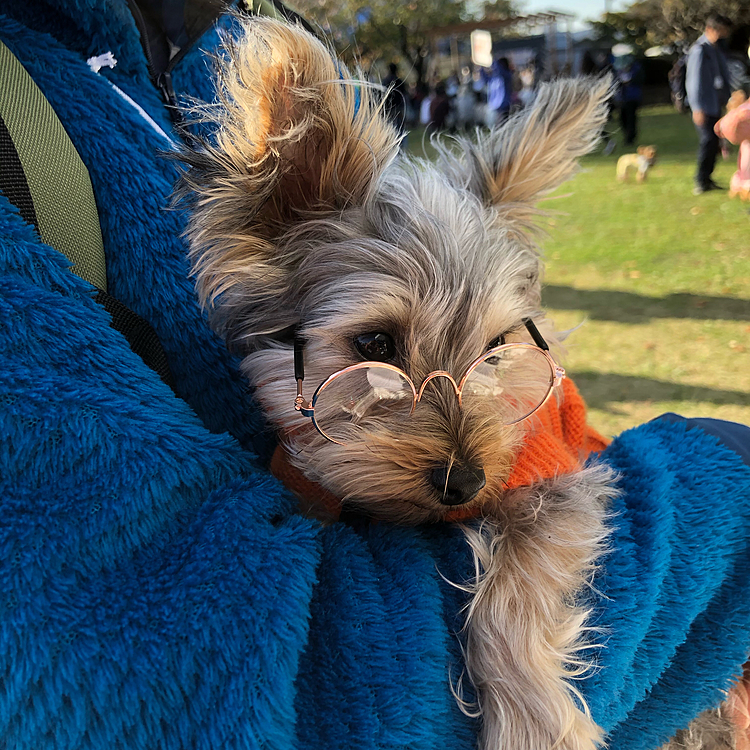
(476, 96)
(465, 99)
(700, 81)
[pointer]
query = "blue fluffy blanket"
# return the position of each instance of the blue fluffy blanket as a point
(159, 590)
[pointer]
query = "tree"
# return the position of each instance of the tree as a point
(667, 22)
(387, 30)
(687, 18)
(642, 24)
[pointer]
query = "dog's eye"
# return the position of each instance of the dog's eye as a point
(497, 341)
(377, 347)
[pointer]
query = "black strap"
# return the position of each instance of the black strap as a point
(140, 335)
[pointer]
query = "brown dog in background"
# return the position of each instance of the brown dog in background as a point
(640, 163)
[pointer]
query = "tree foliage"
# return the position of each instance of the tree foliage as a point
(368, 30)
(679, 23)
(642, 24)
(687, 18)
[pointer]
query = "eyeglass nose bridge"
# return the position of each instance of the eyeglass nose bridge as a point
(438, 374)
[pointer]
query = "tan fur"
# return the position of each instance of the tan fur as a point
(737, 98)
(526, 635)
(515, 166)
(288, 143)
(305, 218)
(638, 163)
(711, 730)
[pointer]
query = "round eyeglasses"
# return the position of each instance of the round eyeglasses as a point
(512, 381)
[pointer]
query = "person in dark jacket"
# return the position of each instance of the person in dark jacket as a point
(630, 79)
(588, 64)
(708, 89)
(500, 90)
(440, 108)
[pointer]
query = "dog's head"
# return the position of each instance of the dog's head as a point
(308, 225)
(649, 152)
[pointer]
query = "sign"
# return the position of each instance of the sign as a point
(481, 48)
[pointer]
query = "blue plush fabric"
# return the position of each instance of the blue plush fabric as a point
(159, 590)
(675, 588)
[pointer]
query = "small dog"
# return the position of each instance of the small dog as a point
(640, 163)
(400, 289)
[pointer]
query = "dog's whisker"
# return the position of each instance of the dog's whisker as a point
(451, 460)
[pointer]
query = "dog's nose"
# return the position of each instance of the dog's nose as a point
(458, 483)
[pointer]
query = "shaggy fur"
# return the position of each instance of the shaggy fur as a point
(525, 628)
(711, 730)
(305, 221)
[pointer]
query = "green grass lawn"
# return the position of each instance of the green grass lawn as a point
(659, 281)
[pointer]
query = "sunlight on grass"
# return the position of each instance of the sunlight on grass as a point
(660, 280)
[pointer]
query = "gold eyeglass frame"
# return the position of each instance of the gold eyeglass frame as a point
(307, 408)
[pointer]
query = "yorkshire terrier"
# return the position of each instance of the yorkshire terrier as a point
(388, 314)
(638, 163)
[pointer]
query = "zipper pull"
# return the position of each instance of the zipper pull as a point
(164, 83)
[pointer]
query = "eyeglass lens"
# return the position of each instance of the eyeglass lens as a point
(351, 400)
(512, 382)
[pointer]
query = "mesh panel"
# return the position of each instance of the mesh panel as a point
(58, 180)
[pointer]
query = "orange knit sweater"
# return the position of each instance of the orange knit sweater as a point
(558, 442)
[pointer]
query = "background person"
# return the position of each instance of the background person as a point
(707, 85)
(499, 90)
(630, 92)
(440, 108)
(735, 128)
(395, 101)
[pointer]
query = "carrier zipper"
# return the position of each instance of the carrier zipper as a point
(135, 11)
(163, 80)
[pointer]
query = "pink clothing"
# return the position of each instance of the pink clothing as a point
(740, 182)
(735, 127)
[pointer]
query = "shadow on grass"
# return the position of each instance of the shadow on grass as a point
(603, 390)
(626, 307)
(673, 134)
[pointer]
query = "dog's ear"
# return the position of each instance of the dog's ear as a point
(294, 138)
(518, 163)
(642, 150)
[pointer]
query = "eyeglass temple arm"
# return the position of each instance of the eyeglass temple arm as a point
(542, 344)
(305, 407)
(534, 331)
